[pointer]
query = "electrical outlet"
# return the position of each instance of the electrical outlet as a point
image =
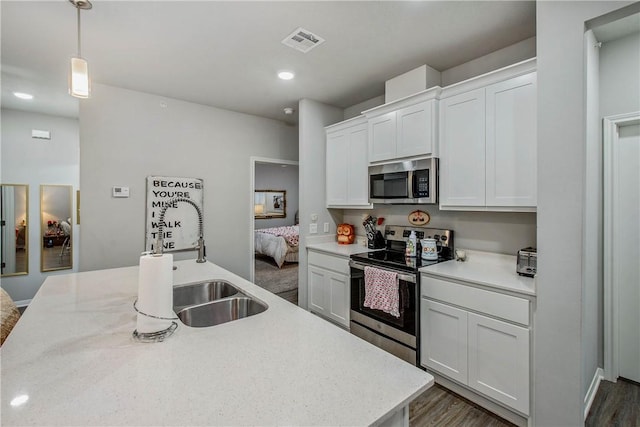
(314, 217)
(326, 227)
(313, 228)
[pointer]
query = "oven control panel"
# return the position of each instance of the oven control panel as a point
(400, 234)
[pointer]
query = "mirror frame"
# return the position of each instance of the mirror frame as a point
(26, 231)
(272, 205)
(43, 229)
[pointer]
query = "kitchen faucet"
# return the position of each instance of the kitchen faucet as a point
(202, 253)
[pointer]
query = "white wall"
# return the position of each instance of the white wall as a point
(558, 352)
(270, 176)
(313, 117)
(619, 82)
(128, 135)
(35, 162)
(517, 52)
(592, 230)
(501, 232)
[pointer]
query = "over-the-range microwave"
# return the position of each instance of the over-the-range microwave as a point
(408, 182)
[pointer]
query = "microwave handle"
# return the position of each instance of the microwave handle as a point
(412, 184)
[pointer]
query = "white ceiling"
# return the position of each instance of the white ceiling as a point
(226, 54)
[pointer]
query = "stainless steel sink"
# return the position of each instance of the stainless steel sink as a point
(220, 311)
(201, 292)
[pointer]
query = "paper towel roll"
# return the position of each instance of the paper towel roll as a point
(155, 293)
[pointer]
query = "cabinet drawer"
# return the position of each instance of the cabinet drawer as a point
(495, 304)
(329, 262)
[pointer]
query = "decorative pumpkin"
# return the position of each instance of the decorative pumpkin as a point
(346, 234)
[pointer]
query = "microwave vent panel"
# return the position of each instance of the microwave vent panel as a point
(302, 40)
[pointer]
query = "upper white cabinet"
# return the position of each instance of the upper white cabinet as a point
(488, 141)
(462, 149)
(404, 128)
(346, 168)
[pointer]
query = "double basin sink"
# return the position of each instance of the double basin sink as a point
(213, 302)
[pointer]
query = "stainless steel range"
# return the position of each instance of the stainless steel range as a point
(397, 335)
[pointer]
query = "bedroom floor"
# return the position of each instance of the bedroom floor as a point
(281, 281)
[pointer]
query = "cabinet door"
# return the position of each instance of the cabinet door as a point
(499, 361)
(443, 339)
(339, 298)
(316, 279)
(337, 167)
(416, 129)
(512, 142)
(462, 149)
(382, 137)
(358, 167)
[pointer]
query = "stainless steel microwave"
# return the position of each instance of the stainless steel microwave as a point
(410, 182)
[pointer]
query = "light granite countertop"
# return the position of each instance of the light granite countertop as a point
(336, 249)
(487, 269)
(71, 360)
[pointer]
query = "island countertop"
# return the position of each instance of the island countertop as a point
(73, 360)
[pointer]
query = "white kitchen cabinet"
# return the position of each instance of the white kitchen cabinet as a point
(511, 142)
(478, 338)
(347, 164)
(488, 142)
(462, 149)
(328, 279)
(444, 329)
(405, 128)
(498, 354)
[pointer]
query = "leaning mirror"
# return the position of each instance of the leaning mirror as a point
(55, 222)
(14, 210)
(270, 204)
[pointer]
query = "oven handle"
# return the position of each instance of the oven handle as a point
(404, 277)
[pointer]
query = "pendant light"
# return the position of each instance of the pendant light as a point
(79, 84)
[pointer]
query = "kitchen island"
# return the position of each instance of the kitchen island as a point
(71, 360)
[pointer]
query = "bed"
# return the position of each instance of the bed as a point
(280, 243)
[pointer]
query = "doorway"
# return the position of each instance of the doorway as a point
(622, 246)
(274, 226)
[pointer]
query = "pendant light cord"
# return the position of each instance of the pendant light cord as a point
(79, 55)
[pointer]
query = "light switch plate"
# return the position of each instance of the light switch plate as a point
(326, 227)
(313, 228)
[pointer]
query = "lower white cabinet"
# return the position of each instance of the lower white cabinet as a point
(329, 287)
(485, 354)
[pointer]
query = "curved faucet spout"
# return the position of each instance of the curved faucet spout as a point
(202, 253)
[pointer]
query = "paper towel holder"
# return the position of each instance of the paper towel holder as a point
(157, 336)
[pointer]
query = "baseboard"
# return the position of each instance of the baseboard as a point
(593, 389)
(22, 303)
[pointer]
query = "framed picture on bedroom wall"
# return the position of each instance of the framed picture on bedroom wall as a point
(270, 204)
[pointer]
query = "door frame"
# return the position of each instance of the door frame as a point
(253, 160)
(610, 129)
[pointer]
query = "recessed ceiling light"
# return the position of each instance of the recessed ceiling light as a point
(286, 75)
(23, 95)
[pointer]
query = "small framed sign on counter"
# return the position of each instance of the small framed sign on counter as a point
(180, 231)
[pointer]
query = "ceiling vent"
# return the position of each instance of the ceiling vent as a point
(302, 40)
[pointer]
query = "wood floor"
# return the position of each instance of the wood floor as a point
(441, 407)
(615, 404)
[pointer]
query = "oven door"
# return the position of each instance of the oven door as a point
(403, 328)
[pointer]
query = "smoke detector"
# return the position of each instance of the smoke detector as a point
(288, 111)
(302, 40)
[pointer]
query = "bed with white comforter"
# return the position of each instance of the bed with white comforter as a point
(280, 243)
